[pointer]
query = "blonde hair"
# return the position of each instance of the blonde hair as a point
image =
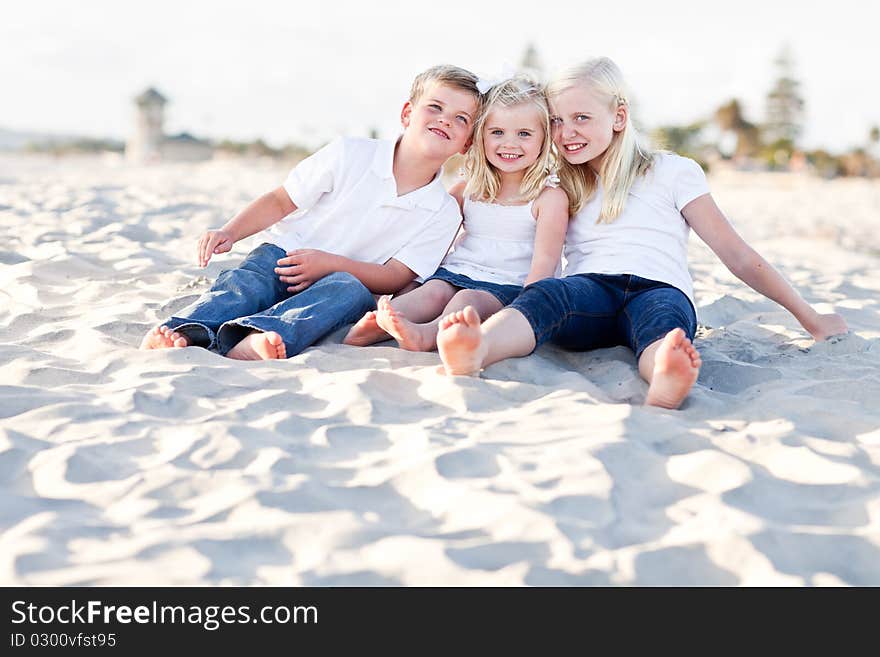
(483, 180)
(452, 76)
(627, 157)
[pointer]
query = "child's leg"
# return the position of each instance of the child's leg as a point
(423, 337)
(662, 318)
(466, 346)
(247, 289)
(576, 311)
(298, 321)
(419, 305)
(671, 365)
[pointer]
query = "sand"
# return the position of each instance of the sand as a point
(363, 466)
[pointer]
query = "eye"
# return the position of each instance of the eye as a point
(555, 120)
(462, 118)
(582, 117)
(525, 134)
(497, 132)
(435, 106)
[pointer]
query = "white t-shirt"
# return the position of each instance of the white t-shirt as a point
(347, 204)
(649, 238)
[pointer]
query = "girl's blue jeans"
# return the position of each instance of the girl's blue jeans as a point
(252, 297)
(592, 311)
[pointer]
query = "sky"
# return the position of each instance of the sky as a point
(303, 72)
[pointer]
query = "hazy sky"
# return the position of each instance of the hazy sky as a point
(304, 71)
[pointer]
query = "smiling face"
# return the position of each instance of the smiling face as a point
(583, 125)
(440, 122)
(513, 137)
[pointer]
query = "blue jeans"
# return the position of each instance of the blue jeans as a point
(592, 311)
(504, 293)
(252, 297)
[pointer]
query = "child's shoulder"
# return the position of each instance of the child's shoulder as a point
(552, 194)
(551, 198)
(669, 163)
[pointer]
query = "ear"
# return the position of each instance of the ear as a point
(405, 114)
(620, 118)
(467, 145)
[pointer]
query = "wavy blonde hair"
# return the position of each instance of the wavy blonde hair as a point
(483, 179)
(628, 156)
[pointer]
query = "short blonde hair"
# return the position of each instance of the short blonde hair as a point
(483, 180)
(628, 156)
(452, 76)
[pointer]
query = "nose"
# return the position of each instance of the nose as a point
(563, 130)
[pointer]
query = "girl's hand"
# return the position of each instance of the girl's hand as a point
(213, 241)
(303, 267)
(825, 326)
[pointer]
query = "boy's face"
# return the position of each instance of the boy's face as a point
(441, 122)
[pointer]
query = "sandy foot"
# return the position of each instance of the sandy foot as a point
(365, 332)
(162, 337)
(460, 343)
(676, 367)
(410, 336)
(259, 346)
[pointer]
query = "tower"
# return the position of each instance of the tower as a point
(146, 142)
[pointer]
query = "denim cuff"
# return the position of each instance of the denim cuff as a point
(198, 335)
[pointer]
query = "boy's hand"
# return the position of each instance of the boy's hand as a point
(213, 241)
(303, 267)
(826, 326)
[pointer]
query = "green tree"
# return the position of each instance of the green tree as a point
(785, 106)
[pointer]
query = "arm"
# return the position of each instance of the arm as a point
(457, 192)
(745, 263)
(268, 209)
(551, 210)
(303, 267)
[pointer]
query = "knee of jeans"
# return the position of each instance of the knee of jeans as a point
(352, 283)
(341, 277)
(550, 291)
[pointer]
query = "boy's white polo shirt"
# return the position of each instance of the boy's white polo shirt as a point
(347, 203)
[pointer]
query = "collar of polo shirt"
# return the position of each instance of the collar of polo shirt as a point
(429, 197)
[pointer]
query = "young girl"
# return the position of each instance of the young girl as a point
(626, 280)
(514, 224)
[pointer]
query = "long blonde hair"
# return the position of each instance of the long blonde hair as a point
(627, 157)
(483, 180)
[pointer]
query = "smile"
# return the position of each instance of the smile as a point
(509, 156)
(571, 148)
(439, 132)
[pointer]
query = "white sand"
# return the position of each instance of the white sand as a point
(347, 466)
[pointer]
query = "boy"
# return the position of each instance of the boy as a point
(360, 216)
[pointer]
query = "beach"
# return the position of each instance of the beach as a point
(346, 466)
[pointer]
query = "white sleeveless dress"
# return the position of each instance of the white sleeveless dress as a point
(497, 245)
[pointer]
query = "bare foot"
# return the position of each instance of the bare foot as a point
(365, 332)
(676, 367)
(162, 337)
(259, 346)
(460, 343)
(410, 336)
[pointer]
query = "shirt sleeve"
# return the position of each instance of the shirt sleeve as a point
(689, 183)
(424, 253)
(315, 175)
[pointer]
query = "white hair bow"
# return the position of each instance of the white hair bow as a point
(484, 83)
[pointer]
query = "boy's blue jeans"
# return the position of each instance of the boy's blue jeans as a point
(253, 297)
